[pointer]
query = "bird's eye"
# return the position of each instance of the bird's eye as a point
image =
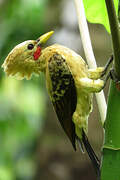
(30, 46)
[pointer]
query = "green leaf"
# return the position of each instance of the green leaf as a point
(110, 168)
(96, 12)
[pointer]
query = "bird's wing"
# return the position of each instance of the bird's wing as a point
(63, 94)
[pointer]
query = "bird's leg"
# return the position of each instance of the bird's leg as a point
(90, 85)
(99, 72)
(95, 73)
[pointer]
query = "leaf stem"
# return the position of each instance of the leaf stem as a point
(85, 37)
(114, 26)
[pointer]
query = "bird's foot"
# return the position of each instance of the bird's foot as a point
(107, 66)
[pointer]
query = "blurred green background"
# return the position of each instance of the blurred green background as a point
(33, 145)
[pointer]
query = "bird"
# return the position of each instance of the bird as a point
(69, 81)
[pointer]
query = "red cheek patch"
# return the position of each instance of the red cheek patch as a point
(37, 53)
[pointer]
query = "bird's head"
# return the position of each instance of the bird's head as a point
(25, 58)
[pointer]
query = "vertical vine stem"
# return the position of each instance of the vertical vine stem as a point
(115, 34)
(111, 148)
(85, 37)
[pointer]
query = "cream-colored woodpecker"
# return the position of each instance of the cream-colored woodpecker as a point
(69, 82)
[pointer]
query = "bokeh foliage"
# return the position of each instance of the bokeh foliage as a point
(22, 103)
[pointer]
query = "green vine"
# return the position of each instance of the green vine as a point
(111, 149)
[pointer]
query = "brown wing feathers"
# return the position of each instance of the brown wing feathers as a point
(63, 94)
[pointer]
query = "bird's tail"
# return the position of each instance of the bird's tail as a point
(94, 159)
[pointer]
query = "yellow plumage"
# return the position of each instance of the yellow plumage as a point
(69, 82)
(20, 63)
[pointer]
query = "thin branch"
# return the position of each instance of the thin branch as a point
(85, 37)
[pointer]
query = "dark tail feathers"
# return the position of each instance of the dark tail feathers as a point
(94, 159)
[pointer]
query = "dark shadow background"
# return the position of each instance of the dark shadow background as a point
(33, 145)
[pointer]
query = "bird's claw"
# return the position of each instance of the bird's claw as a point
(113, 76)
